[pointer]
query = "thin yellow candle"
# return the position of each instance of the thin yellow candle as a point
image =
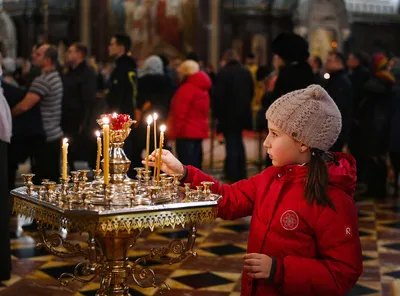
(149, 121)
(162, 129)
(64, 158)
(155, 117)
(98, 151)
(106, 148)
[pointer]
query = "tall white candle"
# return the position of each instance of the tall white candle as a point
(98, 151)
(149, 121)
(106, 148)
(162, 129)
(155, 117)
(65, 158)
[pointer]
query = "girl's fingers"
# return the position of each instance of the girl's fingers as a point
(151, 163)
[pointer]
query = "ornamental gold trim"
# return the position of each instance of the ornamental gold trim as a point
(44, 215)
(151, 220)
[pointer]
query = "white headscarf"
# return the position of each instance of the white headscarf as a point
(5, 116)
(152, 65)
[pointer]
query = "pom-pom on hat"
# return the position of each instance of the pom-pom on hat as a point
(308, 115)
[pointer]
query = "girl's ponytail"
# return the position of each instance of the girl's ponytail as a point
(317, 180)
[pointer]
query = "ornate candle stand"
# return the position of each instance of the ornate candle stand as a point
(112, 232)
(114, 215)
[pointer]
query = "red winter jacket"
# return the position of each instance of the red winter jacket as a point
(317, 249)
(188, 116)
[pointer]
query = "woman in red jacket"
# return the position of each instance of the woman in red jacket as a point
(188, 116)
(303, 236)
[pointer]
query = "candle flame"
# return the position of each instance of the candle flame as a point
(115, 115)
(163, 128)
(97, 134)
(106, 120)
(155, 116)
(65, 141)
(149, 119)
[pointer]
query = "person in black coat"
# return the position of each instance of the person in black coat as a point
(5, 211)
(295, 73)
(122, 94)
(339, 88)
(375, 125)
(155, 91)
(27, 132)
(394, 148)
(316, 64)
(79, 99)
(359, 74)
(233, 92)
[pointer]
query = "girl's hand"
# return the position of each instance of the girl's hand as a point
(169, 163)
(258, 266)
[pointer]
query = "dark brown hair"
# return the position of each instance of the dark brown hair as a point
(81, 48)
(317, 179)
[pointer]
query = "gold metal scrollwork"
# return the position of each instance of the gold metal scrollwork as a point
(176, 247)
(54, 241)
(82, 269)
(145, 277)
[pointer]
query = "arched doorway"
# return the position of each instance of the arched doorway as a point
(324, 23)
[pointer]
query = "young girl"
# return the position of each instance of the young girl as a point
(303, 236)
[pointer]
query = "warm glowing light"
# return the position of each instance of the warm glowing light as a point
(155, 116)
(97, 133)
(149, 119)
(327, 76)
(106, 120)
(115, 115)
(65, 141)
(163, 128)
(334, 44)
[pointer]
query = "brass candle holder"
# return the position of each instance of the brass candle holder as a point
(207, 185)
(75, 180)
(28, 183)
(187, 190)
(64, 185)
(83, 175)
(97, 175)
(49, 187)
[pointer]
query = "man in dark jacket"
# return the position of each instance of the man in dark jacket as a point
(27, 131)
(233, 93)
(122, 95)
(339, 88)
(79, 98)
(359, 74)
(292, 52)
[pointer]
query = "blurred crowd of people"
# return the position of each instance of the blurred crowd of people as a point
(183, 91)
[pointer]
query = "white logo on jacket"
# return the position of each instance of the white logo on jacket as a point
(290, 220)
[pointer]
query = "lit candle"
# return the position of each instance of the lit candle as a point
(64, 158)
(98, 151)
(155, 117)
(162, 129)
(149, 121)
(106, 145)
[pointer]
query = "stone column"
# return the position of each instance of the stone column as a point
(85, 33)
(214, 45)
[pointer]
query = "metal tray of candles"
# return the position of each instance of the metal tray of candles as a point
(139, 195)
